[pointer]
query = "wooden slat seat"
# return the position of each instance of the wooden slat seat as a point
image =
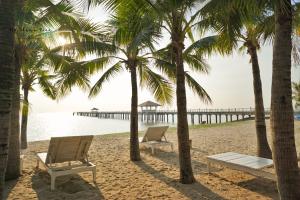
(64, 150)
(155, 137)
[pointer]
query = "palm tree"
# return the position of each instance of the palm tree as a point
(132, 42)
(40, 51)
(252, 32)
(172, 17)
(13, 162)
(7, 8)
(33, 74)
(126, 37)
(282, 115)
(282, 123)
(296, 94)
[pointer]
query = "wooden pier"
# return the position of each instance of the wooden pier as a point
(196, 116)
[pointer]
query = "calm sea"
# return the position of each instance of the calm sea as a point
(43, 126)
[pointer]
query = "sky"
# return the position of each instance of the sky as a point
(229, 84)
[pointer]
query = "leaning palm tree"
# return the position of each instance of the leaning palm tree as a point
(253, 31)
(282, 123)
(7, 13)
(296, 94)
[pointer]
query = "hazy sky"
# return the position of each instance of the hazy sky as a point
(229, 84)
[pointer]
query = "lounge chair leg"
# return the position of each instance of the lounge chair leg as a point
(172, 147)
(208, 167)
(53, 182)
(152, 149)
(94, 174)
(37, 163)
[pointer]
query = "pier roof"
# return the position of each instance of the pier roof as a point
(94, 109)
(149, 103)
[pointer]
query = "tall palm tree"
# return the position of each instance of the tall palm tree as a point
(40, 50)
(282, 115)
(253, 31)
(296, 94)
(173, 17)
(131, 39)
(282, 123)
(13, 162)
(132, 42)
(7, 13)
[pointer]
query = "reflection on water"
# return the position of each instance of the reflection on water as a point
(43, 126)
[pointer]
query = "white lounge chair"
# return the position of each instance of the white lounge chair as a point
(153, 138)
(250, 164)
(67, 149)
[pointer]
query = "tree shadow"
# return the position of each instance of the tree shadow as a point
(171, 158)
(262, 186)
(259, 185)
(200, 150)
(191, 191)
(9, 185)
(65, 187)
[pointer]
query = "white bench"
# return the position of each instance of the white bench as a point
(249, 164)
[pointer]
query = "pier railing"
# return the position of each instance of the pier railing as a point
(195, 115)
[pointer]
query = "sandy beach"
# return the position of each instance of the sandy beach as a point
(156, 176)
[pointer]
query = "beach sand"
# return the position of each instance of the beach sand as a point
(156, 176)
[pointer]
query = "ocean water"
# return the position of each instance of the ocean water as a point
(43, 126)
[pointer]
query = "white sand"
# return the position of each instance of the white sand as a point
(156, 177)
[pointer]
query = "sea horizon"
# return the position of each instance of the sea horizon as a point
(43, 126)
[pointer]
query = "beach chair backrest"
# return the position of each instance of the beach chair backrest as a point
(155, 133)
(65, 149)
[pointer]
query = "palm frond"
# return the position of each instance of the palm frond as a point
(158, 85)
(70, 75)
(110, 73)
(45, 84)
(200, 91)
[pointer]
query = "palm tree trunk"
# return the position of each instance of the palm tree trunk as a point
(134, 137)
(282, 121)
(13, 162)
(24, 119)
(186, 171)
(263, 148)
(6, 81)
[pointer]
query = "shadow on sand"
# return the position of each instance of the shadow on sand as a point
(259, 185)
(171, 158)
(263, 186)
(66, 187)
(9, 185)
(193, 191)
